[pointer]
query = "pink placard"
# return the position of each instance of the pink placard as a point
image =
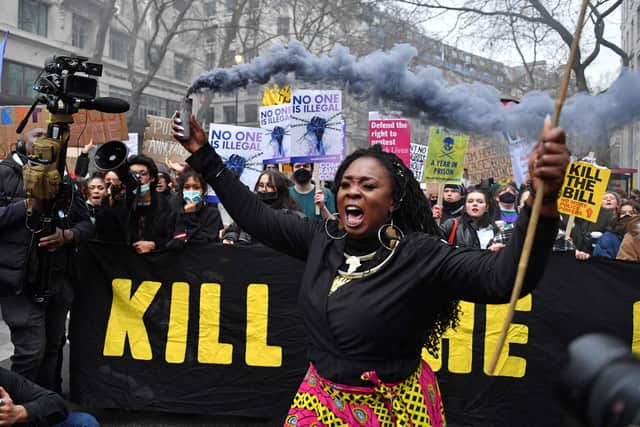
(394, 135)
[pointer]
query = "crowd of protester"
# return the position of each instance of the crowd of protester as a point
(153, 207)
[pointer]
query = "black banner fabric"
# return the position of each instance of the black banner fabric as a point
(216, 330)
(213, 330)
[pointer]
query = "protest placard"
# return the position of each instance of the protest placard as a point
(159, 143)
(100, 127)
(394, 135)
(418, 156)
(132, 144)
(520, 149)
(488, 157)
(241, 148)
(317, 128)
(275, 121)
(583, 189)
(445, 158)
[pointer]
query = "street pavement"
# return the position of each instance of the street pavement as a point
(121, 418)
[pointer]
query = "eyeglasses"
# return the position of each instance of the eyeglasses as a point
(141, 173)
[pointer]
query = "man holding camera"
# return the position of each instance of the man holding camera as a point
(38, 237)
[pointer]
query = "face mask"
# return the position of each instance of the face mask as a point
(192, 196)
(507, 197)
(144, 189)
(268, 197)
(302, 176)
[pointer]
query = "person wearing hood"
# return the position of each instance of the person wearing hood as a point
(309, 196)
(452, 203)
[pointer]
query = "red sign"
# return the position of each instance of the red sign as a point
(394, 135)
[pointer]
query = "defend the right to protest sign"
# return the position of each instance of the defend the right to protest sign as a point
(583, 189)
(275, 120)
(394, 135)
(317, 128)
(445, 160)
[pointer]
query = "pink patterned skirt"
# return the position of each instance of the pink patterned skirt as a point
(415, 401)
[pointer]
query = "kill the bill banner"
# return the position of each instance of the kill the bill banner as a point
(216, 330)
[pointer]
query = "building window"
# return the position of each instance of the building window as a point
(17, 79)
(80, 31)
(33, 17)
(210, 35)
(172, 107)
(251, 113)
(210, 8)
(211, 115)
(151, 105)
(283, 26)
(211, 59)
(230, 5)
(182, 67)
(118, 45)
(229, 112)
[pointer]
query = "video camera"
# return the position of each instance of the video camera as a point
(64, 93)
(601, 383)
(61, 81)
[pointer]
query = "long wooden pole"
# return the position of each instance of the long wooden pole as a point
(537, 203)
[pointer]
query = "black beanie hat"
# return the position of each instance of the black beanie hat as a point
(457, 187)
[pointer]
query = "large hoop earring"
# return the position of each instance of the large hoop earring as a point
(326, 229)
(394, 238)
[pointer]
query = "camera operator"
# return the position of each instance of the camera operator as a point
(138, 214)
(35, 282)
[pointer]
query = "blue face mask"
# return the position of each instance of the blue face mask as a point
(192, 196)
(144, 189)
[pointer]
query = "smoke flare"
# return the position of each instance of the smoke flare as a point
(473, 107)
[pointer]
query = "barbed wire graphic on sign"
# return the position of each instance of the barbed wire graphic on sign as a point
(316, 128)
(277, 136)
(237, 164)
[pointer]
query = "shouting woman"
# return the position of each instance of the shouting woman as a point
(378, 286)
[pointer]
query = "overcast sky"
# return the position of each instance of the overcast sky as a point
(600, 73)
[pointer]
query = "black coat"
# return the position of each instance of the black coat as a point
(45, 407)
(19, 245)
(201, 226)
(466, 234)
(379, 323)
(127, 222)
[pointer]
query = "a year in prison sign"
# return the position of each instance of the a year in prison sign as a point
(583, 189)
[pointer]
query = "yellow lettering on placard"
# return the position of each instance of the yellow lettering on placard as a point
(258, 352)
(210, 349)
(178, 323)
(635, 342)
(460, 343)
(508, 366)
(125, 320)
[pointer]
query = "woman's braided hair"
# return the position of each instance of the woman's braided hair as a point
(412, 214)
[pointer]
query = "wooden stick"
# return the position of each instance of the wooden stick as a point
(319, 184)
(537, 203)
(440, 199)
(567, 231)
